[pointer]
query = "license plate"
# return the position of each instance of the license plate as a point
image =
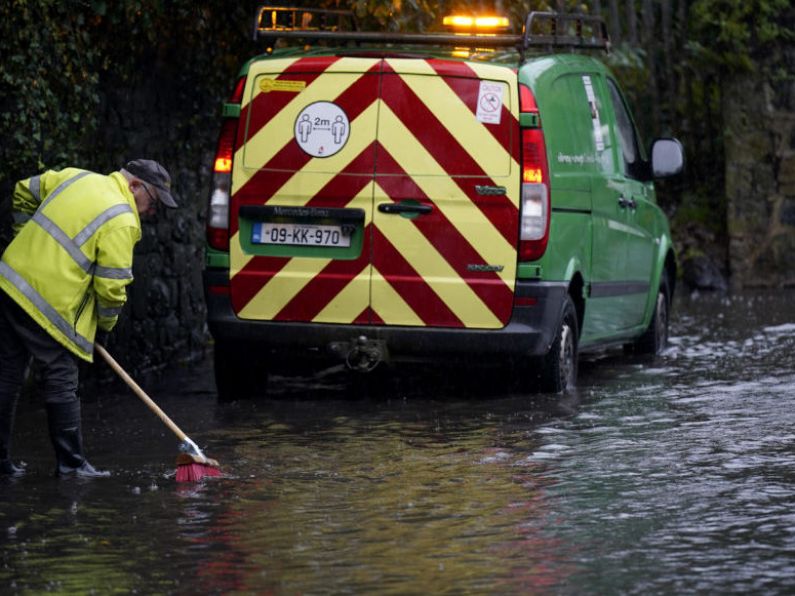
(300, 234)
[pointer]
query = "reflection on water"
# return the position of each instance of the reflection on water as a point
(667, 475)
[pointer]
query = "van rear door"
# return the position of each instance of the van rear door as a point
(376, 191)
(446, 196)
(302, 190)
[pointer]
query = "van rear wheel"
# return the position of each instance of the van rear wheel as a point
(559, 366)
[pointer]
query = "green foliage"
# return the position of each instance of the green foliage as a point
(404, 15)
(426, 15)
(68, 64)
(694, 210)
(48, 84)
(730, 34)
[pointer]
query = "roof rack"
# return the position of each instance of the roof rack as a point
(540, 29)
(567, 30)
(283, 21)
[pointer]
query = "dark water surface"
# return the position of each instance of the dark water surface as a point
(669, 475)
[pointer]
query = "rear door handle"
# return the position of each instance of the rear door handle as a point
(624, 202)
(404, 208)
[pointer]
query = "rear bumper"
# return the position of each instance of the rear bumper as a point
(529, 332)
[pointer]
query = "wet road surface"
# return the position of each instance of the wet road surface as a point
(674, 474)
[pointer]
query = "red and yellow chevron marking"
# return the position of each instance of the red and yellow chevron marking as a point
(414, 135)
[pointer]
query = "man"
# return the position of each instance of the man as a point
(62, 277)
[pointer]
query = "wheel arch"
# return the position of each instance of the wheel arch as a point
(577, 294)
(665, 265)
(670, 268)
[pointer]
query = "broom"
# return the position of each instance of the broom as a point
(192, 464)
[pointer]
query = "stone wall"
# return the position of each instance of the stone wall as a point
(760, 173)
(164, 117)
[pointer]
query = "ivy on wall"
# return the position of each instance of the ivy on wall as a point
(732, 34)
(48, 85)
(63, 59)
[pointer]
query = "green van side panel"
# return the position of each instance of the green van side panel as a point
(551, 81)
(230, 110)
(585, 210)
(529, 271)
(570, 241)
(216, 258)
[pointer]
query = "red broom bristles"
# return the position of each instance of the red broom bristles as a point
(194, 472)
(192, 468)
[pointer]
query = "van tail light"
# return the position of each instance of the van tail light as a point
(218, 209)
(535, 207)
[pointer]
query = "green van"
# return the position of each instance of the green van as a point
(472, 196)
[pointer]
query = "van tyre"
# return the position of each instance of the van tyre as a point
(655, 338)
(559, 366)
(237, 375)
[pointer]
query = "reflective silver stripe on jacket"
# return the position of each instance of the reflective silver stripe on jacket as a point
(64, 240)
(109, 312)
(100, 219)
(35, 187)
(113, 272)
(48, 311)
(61, 187)
(72, 245)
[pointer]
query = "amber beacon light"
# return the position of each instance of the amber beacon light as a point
(484, 24)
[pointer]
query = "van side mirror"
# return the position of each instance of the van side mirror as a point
(667, 158)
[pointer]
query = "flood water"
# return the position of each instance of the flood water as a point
(666, 475)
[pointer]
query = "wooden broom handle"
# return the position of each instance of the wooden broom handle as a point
(140, 392)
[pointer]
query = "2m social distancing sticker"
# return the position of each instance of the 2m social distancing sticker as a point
(489, 110)
(322, 129)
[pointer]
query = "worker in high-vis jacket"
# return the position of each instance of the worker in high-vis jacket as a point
(63, 277)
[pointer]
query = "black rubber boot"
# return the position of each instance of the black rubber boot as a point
(64, 422)
(9, 468)
(7, 412)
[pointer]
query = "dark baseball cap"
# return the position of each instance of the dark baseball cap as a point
(156, 176)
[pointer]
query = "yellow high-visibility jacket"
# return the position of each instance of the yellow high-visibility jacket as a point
(71, 257)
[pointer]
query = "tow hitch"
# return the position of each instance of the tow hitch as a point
(361, 354)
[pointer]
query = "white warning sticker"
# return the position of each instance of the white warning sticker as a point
(597, 125)
(489, 110)
(322, 129)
